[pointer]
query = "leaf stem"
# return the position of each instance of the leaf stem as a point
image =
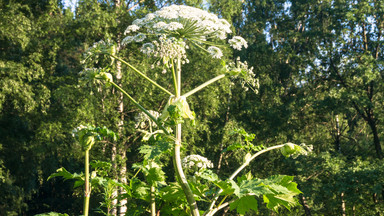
(200, 87)
(141, 74)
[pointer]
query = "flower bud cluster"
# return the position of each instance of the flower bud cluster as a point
(246, 75)
(196, 161)
(293, 150)
(94, 74)
(86, 136)
(92, 54)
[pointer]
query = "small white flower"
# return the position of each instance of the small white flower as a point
(148, 48)
(127, 40)
(238, 42)
(138, 22)
(150, 17)
(159, 25)
(140, 37)
(131, 28)
(215, 52)
(173, 26)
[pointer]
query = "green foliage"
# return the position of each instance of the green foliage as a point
(62, 172)
(52, 214)
(244, 204)
(319, 65)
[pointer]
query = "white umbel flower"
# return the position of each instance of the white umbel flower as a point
(174, 26)
(148, 48)
(140, 37)
(171, 28)
(196, 161)
(127, 40)
(131, 28)
(215, 52)
(238, 42)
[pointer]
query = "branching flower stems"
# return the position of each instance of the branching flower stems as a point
(176, 74)
(177, 159)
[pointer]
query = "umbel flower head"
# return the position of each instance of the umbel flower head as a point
(173, 29)
(196, 162)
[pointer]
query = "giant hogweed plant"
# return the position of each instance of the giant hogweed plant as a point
(168, 36)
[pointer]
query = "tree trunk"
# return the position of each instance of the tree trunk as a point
(376, 140)
(342, 204)
(305, 205)
(121, 150)
(338, 134)
(114, 167)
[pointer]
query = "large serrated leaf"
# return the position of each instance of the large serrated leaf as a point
(62, 172)
(173, 192)
(154, 152)
(244, 204)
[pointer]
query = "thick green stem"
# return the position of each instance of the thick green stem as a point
(246, 163)
(87, 190)
(177, 160)
(153, 201)
(174, 78)
(200, 87)
(141, 74)
(140, 107)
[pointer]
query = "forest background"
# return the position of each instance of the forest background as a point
(320, 68)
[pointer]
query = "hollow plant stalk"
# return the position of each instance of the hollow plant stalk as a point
(87, 189)
(177, 160)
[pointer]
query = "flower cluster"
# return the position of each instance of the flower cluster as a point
(142, 120)
(95, 75)
(171, 27)
(246, 75)
(196, 161)
(179, 17)
(166, 48)
(238, 42)
(93, 53)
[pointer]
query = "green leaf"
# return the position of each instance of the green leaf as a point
(234, 147)
(244, 204)
(155, 175)
(62, 172)
(199, 190)
(209, 175)
(173, 192)
(154, 152)
(273, 202)
(229, 187)
(139, 189)
(52, 214)
(253, 186)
